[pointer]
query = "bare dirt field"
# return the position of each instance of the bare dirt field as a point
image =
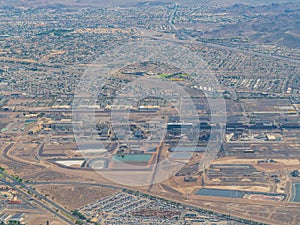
(74, 196)
(233, 160)
(37, 219)
(242, 188)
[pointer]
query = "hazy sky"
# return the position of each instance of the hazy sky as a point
(108, 3)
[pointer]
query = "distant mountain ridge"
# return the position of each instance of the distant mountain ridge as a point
(268, 24)
(123, 3)
(76, 3)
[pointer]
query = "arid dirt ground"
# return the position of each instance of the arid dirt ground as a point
(74, 196)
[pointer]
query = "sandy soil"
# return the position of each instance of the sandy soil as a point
(74, 196)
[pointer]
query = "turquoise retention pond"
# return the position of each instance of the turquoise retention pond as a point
(220, 193)
(133, 158)
(296, 192)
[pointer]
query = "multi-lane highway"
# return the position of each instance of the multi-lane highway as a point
(29, 193)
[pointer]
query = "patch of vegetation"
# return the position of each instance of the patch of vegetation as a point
(78, 214)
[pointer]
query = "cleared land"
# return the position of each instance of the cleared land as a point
(64, 194)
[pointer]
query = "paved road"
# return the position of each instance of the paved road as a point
(53, 207)
(156, 168)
